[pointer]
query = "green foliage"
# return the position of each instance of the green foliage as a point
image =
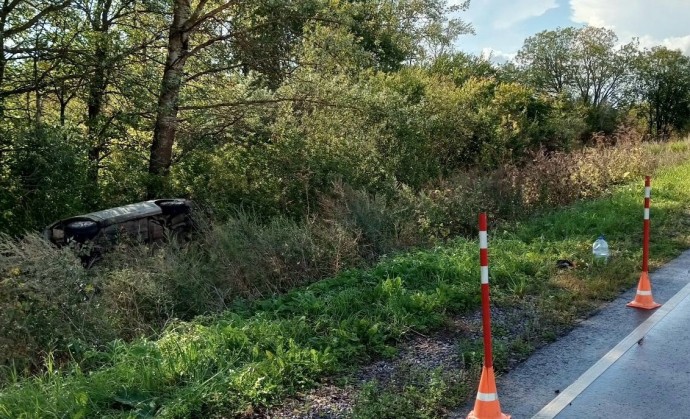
(295, 97)
(583, 62)
(395, 32)
(663, 81)
(140, 288)
(321, 137)
(49, 303)
(275, 141)
(259, 351)
(462, 67)
(42, 178)
(384, 130)
(262, 351)
(412, 393)
(445, 208)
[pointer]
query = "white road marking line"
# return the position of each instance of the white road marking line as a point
(569, 394)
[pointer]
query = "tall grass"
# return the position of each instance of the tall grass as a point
(50, 304)
(260, 350)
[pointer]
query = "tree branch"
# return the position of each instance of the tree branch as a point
(211, 71)
(207, 43)
(197, 19)
(5, 11)
(263, 102)
(29, 23)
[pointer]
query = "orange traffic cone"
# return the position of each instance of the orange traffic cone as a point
(643, 298)
(487, 406)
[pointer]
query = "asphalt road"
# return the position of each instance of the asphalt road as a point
(651, 379)
(620, 363)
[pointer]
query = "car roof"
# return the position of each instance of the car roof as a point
(116, 215)
(125, 213)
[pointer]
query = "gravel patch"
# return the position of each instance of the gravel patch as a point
(517, 320)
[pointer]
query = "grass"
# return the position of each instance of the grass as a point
(48, 303)
(258, 352)
(416, 393)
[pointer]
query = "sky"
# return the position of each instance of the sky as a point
(501, 26)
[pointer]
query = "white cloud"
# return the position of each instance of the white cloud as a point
(508, 13)
(503, 14)
(676, 42)
(496, 56)
(658, 22)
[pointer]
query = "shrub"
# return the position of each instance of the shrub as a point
(381, 225)
(448, 207)
(48, 303)
(42, 178)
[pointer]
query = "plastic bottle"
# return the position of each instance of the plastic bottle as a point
(600, 250)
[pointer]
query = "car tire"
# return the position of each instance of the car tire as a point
(82, 231)
(173, 207)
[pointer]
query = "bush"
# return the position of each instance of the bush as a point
(42, 178)
(279, 160)
(410, 127)
(381, 225)
(48, 303)
(448, 207)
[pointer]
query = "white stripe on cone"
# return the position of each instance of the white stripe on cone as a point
(487, 397)
(644, 292)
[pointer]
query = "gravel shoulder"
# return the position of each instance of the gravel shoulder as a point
(447, 350)
(527, 380)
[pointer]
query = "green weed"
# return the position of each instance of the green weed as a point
(259, 351)
(412, 393)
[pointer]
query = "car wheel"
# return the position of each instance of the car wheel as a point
(81, 231)
(173, 207)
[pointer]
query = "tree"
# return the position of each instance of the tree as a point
(257, 37)
(462, 67)
(226, 37)
(401, 31)
(109, 47)
(662, 82)
(17, 43)
(601, 71)
(583, 62)
(547, 59)
(186, 22)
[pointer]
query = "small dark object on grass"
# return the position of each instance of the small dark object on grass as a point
(564, 264)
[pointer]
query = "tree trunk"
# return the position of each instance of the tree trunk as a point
(97, 87)
(63, 110)
(2, 77)
(2, 58)
(38, 115)
(168, 100)
(98, 83)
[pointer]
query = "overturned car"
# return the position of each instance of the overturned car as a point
(147, 222)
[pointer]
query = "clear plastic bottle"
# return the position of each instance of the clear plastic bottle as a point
(600, 250)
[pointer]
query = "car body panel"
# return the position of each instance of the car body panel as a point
(142, 221)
